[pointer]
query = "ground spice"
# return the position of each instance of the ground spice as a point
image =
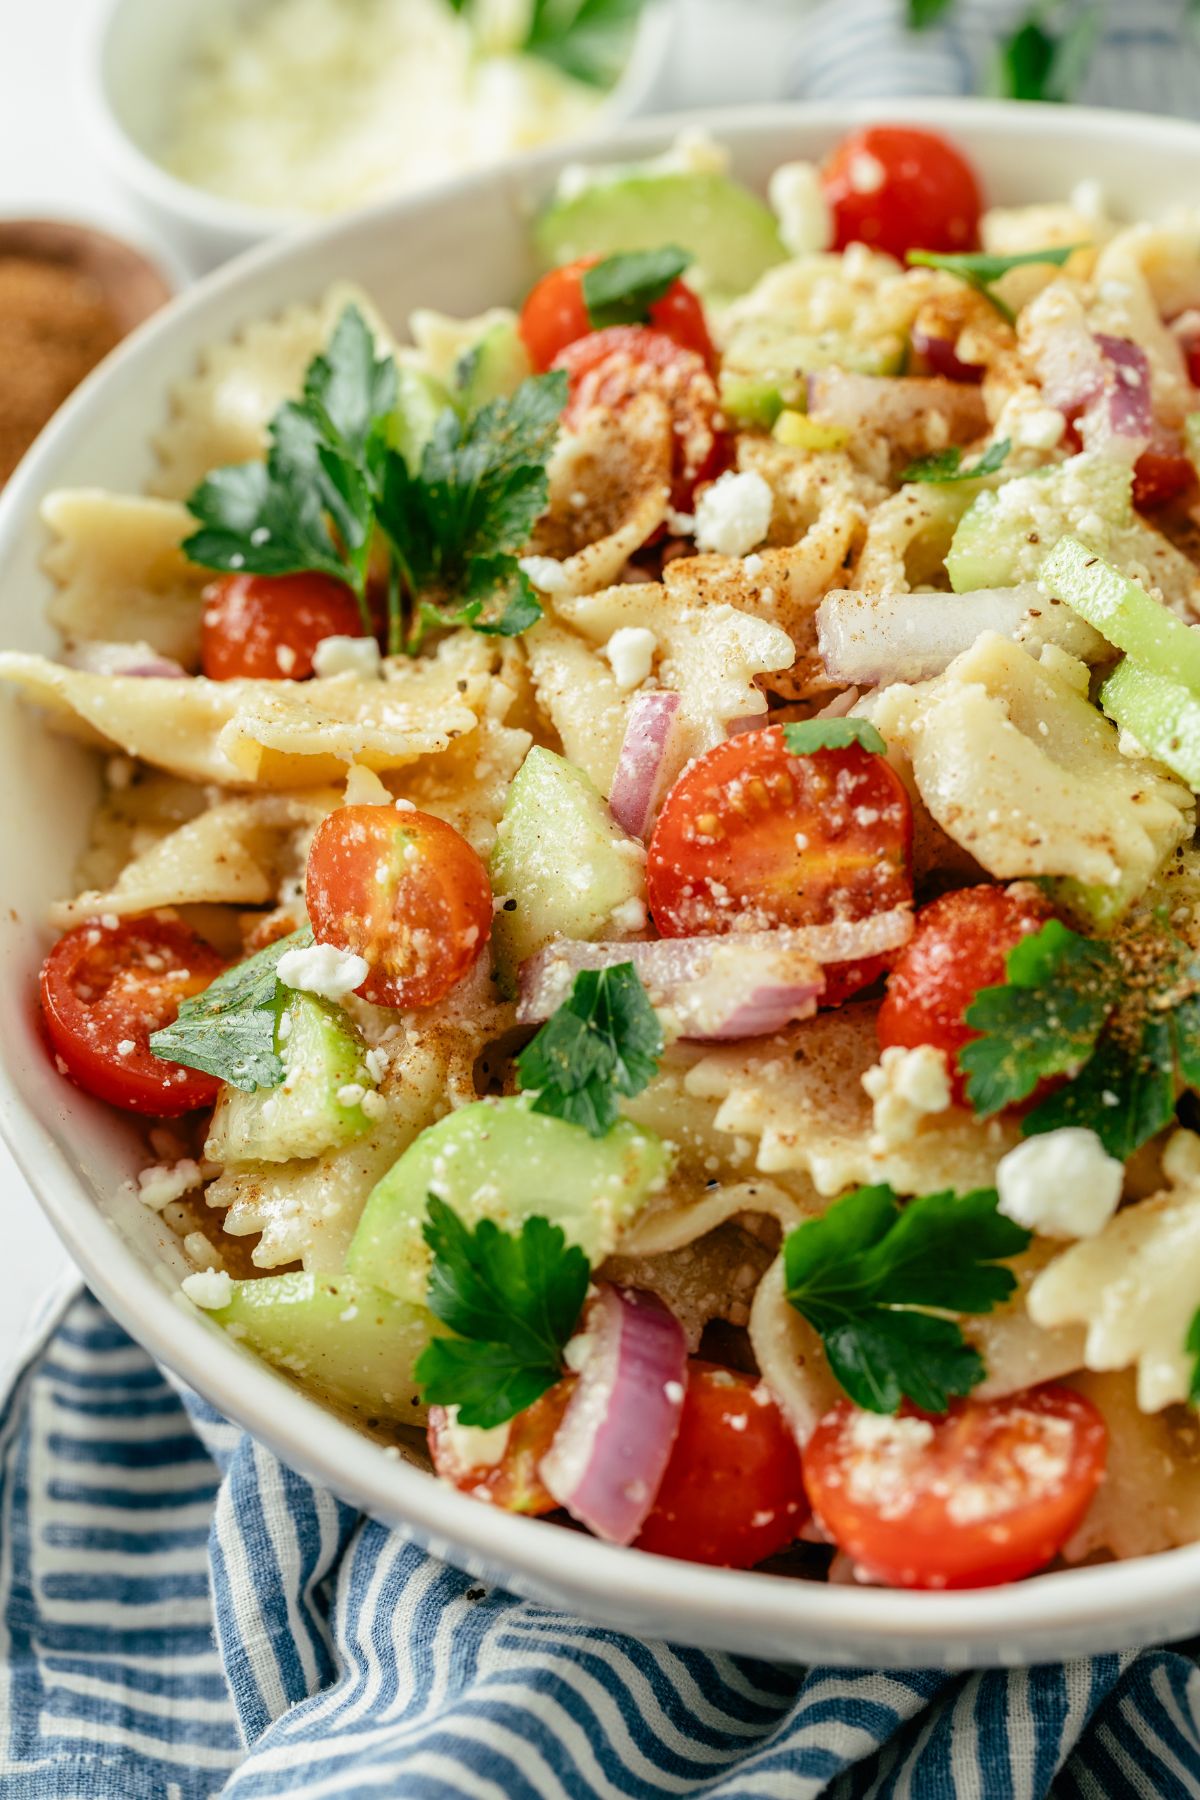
(55, 325)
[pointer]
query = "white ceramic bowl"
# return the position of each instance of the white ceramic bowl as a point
(131, 69)
(463, 248)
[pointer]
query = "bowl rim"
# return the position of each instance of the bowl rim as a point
(212, 212)
(1022, 1622)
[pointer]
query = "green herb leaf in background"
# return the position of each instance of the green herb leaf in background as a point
(980, 270)
(588, 39)
(621, 289)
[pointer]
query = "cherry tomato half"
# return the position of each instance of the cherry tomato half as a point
(512, 1481)
(898, 190)
(752, 837)
(612, 367)
(555, 315)
(732, 1493)
(1162, 472)
(405, 891)
(104, 989)
(987, 1493)
(268, 626)
(959, 945)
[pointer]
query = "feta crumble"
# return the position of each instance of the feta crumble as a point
(545, 573)
(347, 656)
(1061, 1184)
(324, 970)
(208, 1288)
(630, 651)
(906, 1087)
(799, 203)
(734, 514)
(161, 1184)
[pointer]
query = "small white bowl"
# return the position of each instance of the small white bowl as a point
(131, 70)
(462, 248)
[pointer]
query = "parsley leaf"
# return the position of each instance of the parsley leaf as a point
(1121, 1018)
(924, 13)
(980, 270)
(604, 1040)
(456, 523)
(229, 1029)
(589, 39)
(946, 465)
(856, 1272)
(1192, 1345)
(807, 735)
(1034, 64)
(512, 1298)
(621, 289)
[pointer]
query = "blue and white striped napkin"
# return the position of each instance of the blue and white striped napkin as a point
(182, 1617)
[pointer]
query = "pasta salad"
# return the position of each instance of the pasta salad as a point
(645, 888)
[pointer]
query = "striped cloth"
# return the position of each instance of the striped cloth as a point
(182, 1617)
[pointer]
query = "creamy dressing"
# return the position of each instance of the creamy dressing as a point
(319, 105)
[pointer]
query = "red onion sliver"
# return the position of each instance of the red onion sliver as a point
(638, 783)
(840, 705)
(607, 1457)
(891, 402)
(94, 656)
(871, 638)
(939, 352)
(1129, 410)
(739, 984)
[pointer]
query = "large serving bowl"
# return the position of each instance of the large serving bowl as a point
(461, 249)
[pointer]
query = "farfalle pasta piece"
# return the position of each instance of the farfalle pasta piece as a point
(271, 734)
(800, 1096)
(1149, 1499)
(119, 573)
(790, 1356)
(609, 486)
(220, 414)
(579, 695)
(236, 853)
(1017, 1352)
(1017, 767)
(1136, 1286)
(907, 538)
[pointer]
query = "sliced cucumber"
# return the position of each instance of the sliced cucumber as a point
(316, 1107)
(1005, 534)
(494, 367)
(1163, 715)
(349, 1341)
(1123, 612)
(499, 1160)
(420, 402)
(560, 864)
(731, 234)
(750, 399)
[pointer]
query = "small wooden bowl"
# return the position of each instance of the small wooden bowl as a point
(132, 285)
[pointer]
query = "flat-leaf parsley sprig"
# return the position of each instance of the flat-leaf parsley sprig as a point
(512, 1299)
(604, 1040)
(865, 1271)
(230, 1029)
(333, 482)
(1120, 1017)
(981, 270)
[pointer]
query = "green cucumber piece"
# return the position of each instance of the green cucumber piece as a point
(322, 1056)
(343, 1338)
(560, 864)
(1163, 715)
(1122, 611)
(493, 368)
(732, 236)
(499, 1160)
(1006, 532)
(420, 402)
(750, 399)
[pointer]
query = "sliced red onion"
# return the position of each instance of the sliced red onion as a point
(1129, 412)
(890, 402)
(607, 1458)
(95, 656)
(1068, 365)
(871, 638)
(840, 705)
(943, 358)
(739, 985)
(637, 788)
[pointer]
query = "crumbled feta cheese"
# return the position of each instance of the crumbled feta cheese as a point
(1061, 1184)
(673, 1391)
(159, 1185)
(364, 788)
(209, 1288)
(630, 650)
(347, 656)
(126, 1047)
(467, 1447)
(906, 1087)
(545, 573)
(629, 915)
(285, 657)
(323, 969)
(734, 514)
(374, 1105)
(197, 1249)
(680, 524)
(377, 1062)
(352, 1094)
(752, 565)
(798, 202)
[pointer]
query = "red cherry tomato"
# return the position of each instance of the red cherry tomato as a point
(405, 891)
(1162, 472)
(612, 367)
(555, 315)
(987, 1493)
(959, 945)
(752, 836)
(268, 626)
(1191, 351)
(512, 1482)
(898, 190)
(104, 989)
(732, 1493)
